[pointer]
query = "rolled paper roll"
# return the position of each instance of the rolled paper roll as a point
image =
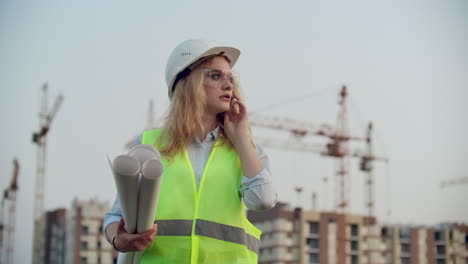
(148, 195)
(126, 258)
(125, 170)
(141, 195)
(151, 173)
(144, 152)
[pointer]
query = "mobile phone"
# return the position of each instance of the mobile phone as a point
(231, 105)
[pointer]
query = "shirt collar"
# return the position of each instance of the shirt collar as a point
(211, 136)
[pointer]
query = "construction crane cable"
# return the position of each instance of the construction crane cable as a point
(378, 139)
(454, 182)
(324, 92)
(389, 192)
(360, 121)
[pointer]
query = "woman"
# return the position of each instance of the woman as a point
(211, 167)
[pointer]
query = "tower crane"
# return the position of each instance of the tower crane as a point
(337, 147)
(453, 182)
(40, 138)
(298, 191)
(8, 217)
(150, 122)
(366, 165)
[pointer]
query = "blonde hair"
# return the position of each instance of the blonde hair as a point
(186, 113)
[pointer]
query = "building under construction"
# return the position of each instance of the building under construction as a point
(312, 237)
(75, 235)
(86, 242)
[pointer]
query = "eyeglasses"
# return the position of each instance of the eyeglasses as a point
(217, 75)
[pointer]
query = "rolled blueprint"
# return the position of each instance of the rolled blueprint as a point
(143, 153)
(126, 170)
(151, 172)
(126, 258)
(137, 176)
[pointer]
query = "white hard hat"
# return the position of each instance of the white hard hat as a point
(189, 54)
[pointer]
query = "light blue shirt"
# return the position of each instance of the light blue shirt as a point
(258, 192)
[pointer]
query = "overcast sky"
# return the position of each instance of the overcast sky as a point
(405, 64)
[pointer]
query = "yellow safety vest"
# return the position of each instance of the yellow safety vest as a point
(201, 226)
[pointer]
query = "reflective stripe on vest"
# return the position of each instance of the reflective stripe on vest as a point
(209, 229)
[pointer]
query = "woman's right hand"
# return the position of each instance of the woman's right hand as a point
(133, 242)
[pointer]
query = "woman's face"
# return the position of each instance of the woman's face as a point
(218, 83)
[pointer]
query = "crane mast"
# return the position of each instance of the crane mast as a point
(366, 165)
(40, 138)
(339, 148)
(8, 217)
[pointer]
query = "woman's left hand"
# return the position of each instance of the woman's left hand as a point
(236, 124)
(236, 127)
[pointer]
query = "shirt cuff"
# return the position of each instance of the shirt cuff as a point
(109, 219)
(261, 178)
